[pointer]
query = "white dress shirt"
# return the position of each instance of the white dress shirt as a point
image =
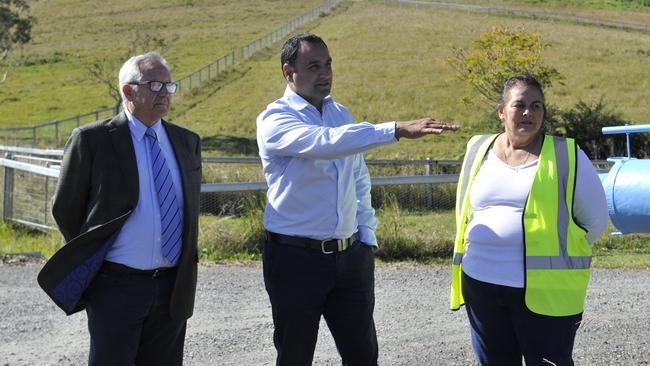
(318, 182)
(495, 249)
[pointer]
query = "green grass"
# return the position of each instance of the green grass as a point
(18, 239)
(71, 34)
(387, 63)
(632, 11)
(386, 68)
(403, 236)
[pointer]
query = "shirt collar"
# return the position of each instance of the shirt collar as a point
(297, 102)
(138, 128)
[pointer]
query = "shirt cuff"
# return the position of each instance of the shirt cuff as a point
(367, 236)
(388, 130)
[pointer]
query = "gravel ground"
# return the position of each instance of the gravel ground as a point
(232, 321)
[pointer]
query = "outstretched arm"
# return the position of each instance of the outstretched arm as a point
(422, 127)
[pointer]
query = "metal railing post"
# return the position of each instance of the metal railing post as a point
(45, 199)
(56, 132)
(429, 189)
(8, 197)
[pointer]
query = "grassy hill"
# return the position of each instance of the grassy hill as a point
(387, 63)
(71, 34)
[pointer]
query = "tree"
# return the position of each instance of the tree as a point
(105, 71)
(498, 55)
(585, 122)
(15, 29)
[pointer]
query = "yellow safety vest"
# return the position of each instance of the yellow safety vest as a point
(557, 255)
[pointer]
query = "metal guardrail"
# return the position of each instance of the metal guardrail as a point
(30, 177)
(375, 181)
(191, 80)
(36, 169)
(627, 130)
(527, 13)
(32, 151)
(240, 159)
(27, 188)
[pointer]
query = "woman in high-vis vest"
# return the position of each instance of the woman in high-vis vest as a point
(528, 208)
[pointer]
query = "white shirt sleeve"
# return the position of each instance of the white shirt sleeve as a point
(285, 134)
(366, 220)
(589, 203)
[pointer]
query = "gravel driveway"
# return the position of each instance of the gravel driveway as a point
(232, 320)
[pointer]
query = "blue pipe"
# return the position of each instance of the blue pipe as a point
(627, 186)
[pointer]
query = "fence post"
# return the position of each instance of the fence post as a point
(8, 197)
(45, 200)
(79, 119)
(56, 132)
(429, 188)
(34, 136)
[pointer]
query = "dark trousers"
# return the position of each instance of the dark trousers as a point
(304, 284)
(504, 330)
(129, 322)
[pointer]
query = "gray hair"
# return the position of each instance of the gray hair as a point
(131, 72)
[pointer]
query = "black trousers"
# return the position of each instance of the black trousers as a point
(129, 322)
(504, 330)
(304, 284)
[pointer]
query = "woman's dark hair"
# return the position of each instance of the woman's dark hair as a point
(525, 80)
(289, 51)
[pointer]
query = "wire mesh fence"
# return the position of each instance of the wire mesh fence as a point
(234, 186)
(28, 186)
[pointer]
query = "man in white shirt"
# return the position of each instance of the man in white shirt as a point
(319, 254)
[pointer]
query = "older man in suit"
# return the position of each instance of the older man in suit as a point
(127, 204)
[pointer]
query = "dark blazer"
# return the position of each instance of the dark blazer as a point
(97, 191)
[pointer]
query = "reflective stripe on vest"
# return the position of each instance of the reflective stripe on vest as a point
(476, 149)
(468, 167)
(470, 157)
(562, 260)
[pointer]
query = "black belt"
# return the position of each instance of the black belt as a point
(327, 246)
(153, 273)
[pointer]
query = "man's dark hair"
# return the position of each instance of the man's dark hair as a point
(289, 52)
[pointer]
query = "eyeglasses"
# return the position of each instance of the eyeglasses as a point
(156, 86)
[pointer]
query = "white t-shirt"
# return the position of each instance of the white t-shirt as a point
(495, 249)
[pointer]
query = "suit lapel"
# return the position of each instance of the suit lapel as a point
(180, 152)
(120, 134)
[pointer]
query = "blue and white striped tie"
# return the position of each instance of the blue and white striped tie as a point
(171, 217)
